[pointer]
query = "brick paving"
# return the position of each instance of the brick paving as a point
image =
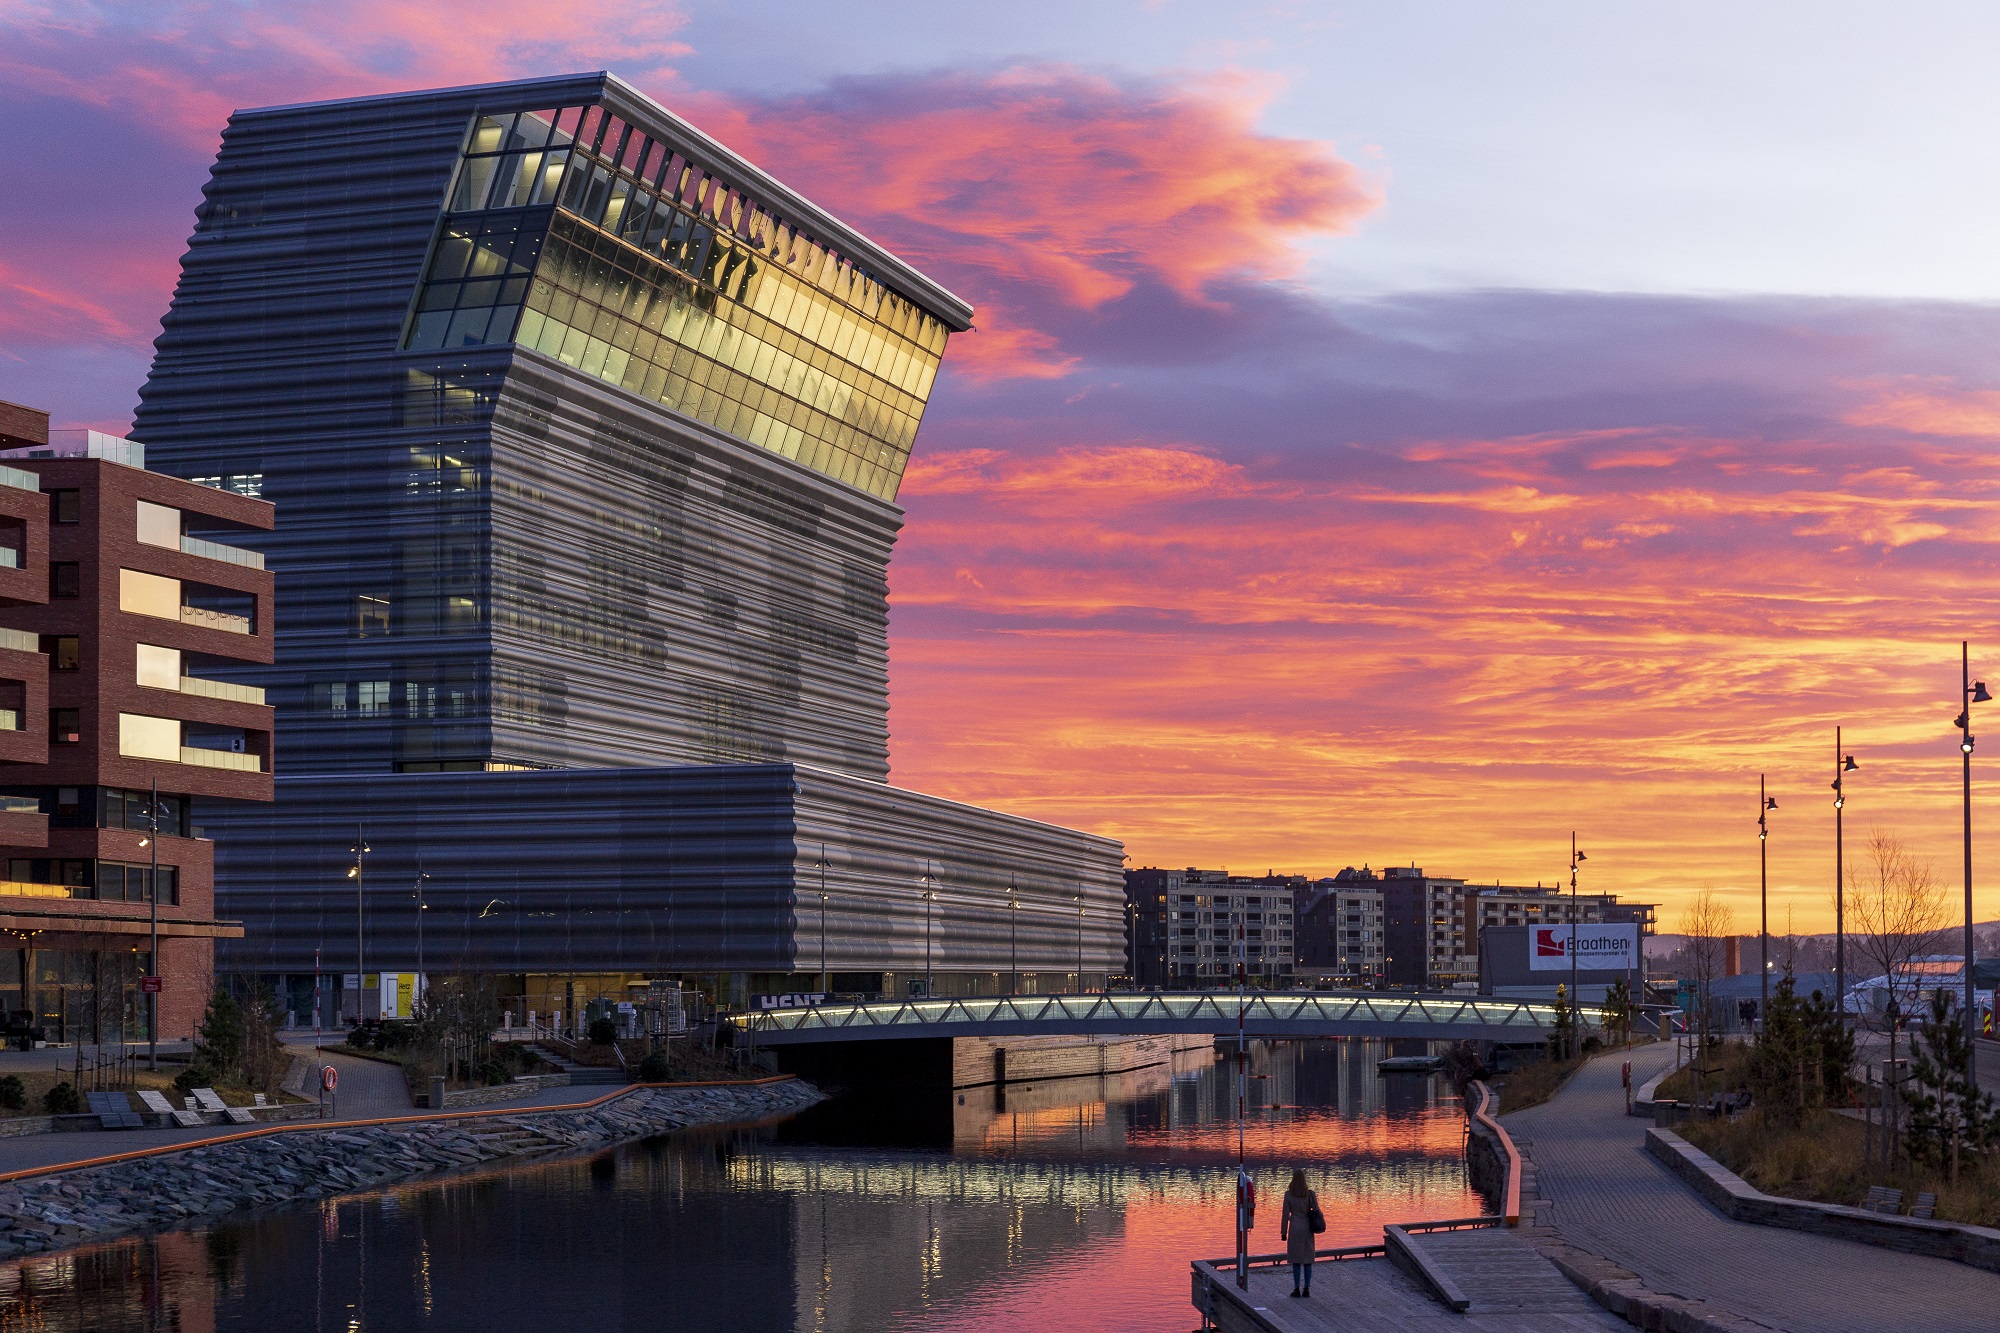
(1606, 1195)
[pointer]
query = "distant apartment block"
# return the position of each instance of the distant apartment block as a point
(116, 604)
(1183, 927)
(1434, 922)
(1340, 936)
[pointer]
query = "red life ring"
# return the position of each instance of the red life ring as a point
(329, 1078)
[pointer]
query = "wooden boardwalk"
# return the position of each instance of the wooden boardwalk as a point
(1510, 1286)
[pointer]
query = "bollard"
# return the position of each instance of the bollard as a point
(437, 1092)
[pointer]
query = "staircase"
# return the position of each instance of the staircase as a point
(511, 1139)
(584, 1075)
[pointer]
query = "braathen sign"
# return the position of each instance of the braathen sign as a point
(1599, 948)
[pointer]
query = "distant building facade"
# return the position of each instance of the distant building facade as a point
(1183, 928)
(1339, 933)
(1433, 922)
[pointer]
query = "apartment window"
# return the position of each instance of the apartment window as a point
(63, 650)
(146, 594)
(159, 667)
(372, 698)
(66, 506)
(65, 726)
(159, 525)
(65, 579)
(143, 737)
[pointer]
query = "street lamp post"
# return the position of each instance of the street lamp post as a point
(1013, 936)
(1576, 859)
(422, 907)
(356, 873)
(1764, 805)
(153, 956)
(1971, 692)
(1079, 942)
(930, 896)
(825, 982)
(1843, 764)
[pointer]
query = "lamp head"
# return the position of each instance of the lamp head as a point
(1770, 803)
(1849, 765)
(1966, 744)
(1960, 720)
(1839, 801)
(1979, 694)
(352, 871)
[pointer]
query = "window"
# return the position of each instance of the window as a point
(159, 667)
(63, 650)
(65, 579)
(66, 506)
(371, 616)
(372, 698)
(159, 525)
(65, 727)
(143, 737)
(149, 594)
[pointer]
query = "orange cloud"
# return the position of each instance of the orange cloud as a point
(1933, 407)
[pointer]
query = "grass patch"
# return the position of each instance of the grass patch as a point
(1531, 1085)
(1723, 1069)
(1821, 1160)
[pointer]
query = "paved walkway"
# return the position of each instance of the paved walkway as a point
(1611, 1198)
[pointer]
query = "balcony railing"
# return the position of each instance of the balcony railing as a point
(222, 620)
(9, 558)
(17, 889)
(243, 763)
(19, 479)
(20, 805)
(222, 689)
(10, 719)
(20, 641)
(235, 555)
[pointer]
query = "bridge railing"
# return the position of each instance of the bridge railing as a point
(1262, 1010)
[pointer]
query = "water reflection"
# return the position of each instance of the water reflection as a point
(1074, 1203)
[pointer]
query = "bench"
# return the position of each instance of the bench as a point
(1925, 1207)
(207, 1099)
(113, 1111)
(1882, 1199)
(160, 1106)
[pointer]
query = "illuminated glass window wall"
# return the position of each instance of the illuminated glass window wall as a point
(606, 248)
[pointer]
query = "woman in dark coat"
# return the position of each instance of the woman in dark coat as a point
(1295, 1229)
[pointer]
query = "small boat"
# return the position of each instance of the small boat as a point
(1409, 1064)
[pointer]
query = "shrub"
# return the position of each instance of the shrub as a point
(194, 1076)
(602, 1031)
(12, 1095)
(494, 1072)
(656, 1068)
(62, 1100)
(220, 1043)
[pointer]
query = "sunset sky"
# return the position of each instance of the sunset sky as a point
(1394, 432)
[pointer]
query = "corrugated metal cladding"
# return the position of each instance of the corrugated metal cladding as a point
(488, 559)
(659, 869)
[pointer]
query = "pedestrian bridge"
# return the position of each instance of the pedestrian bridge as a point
(1140, 1013)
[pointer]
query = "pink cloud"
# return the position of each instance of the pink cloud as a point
(1041, 185)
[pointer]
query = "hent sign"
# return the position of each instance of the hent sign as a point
(1599, 948)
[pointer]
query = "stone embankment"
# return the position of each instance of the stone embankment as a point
(147, 1193)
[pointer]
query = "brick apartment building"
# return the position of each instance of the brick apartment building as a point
(112, 611)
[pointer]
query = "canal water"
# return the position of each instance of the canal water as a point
(1071, 1206)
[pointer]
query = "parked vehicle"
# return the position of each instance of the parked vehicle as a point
(23, 1031)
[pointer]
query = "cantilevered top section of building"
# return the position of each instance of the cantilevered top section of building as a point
(585, 221)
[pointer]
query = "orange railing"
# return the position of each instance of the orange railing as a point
(1482, 1111)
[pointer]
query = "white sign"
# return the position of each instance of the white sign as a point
(1599, 948)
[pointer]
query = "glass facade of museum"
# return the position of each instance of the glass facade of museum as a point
(602, 245)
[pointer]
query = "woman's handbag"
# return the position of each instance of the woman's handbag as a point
(1314, 1217)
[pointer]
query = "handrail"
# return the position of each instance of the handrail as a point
(1483, 1113)
(1331, 1256)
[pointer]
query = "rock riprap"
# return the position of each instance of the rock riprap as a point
(49, 1212)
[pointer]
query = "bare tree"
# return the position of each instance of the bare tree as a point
(1897, 905)
(1707, 922)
